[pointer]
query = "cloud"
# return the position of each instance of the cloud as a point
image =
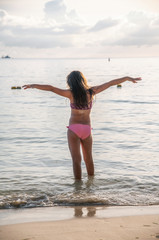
(3, 13)
(34, 37)
(36, 42)
(138, 17)
(104, 24)
(56, 29)
(55, 9)
(138, 29)
(62, 28)
(17, 31)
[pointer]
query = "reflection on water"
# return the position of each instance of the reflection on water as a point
(82, 211)
(13, 216)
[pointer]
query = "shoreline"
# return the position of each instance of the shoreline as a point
(112, 223)
(60, 213)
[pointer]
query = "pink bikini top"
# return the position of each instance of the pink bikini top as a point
(74, 106)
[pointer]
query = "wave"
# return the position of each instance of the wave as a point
(31, 201)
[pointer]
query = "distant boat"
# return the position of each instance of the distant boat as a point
(4, 57)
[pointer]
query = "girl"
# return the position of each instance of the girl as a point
(79, 129)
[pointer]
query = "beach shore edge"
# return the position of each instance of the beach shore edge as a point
(113, 223)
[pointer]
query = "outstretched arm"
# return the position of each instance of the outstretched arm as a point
(59, 91)
(102, 87)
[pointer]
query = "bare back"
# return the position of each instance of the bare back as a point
(79, 115)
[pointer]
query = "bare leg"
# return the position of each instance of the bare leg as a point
(74, 146)
(87, 154)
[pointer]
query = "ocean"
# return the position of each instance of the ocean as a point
(35, 163)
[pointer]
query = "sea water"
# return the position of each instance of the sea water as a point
(35, 163)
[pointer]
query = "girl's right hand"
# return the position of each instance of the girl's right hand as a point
(27, 86)
(134, 80)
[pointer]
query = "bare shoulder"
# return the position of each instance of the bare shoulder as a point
(68, 93)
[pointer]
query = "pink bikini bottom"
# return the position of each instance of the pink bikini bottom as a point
(81, 130)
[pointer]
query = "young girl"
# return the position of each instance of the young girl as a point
(79, 129)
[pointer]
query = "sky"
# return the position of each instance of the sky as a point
(79, 29)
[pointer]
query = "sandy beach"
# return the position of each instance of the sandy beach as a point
(93, 225)
(121, 228)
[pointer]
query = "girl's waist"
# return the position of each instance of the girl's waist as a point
(80, 118)
(79, 122)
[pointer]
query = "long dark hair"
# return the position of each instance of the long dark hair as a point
(79, 88)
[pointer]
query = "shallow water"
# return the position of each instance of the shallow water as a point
(35, 164)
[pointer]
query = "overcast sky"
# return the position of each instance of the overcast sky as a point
(79, 28)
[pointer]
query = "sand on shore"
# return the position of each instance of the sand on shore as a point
(144, 227)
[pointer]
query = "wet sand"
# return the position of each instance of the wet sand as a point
(96, 223)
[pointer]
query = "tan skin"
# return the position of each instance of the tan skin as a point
(82, 117)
